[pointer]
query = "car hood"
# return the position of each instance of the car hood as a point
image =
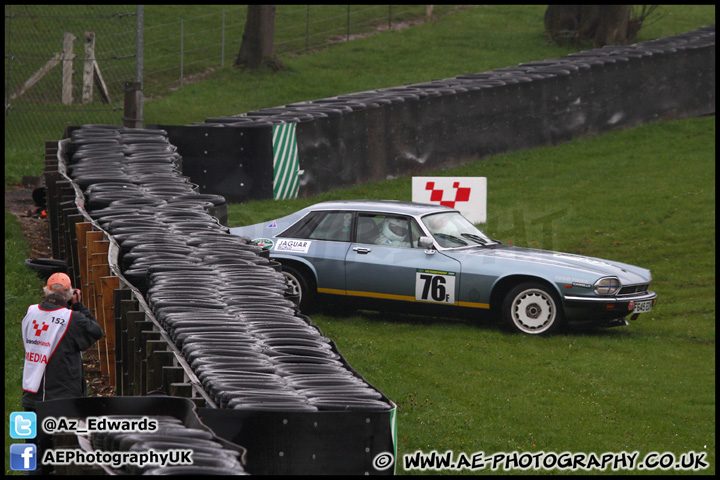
(575, 267)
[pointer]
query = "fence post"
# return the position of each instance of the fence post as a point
(428, 12)
(133, 99)
(67, 68)
(87, 93)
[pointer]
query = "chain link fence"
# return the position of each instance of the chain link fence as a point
(65, 65)
(68, 64)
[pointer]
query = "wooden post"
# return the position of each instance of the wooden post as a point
(81, 230)
(37, 75)
(100, 268)
(73, 259)
(67, 69)
(91, 238)
(88, 67)
(131, 113)
(109, 284)
(100, 82)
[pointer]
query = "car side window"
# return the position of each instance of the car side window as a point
(394, 231)
(368, 227)
(334, 226)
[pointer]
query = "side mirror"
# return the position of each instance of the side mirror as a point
(426, 243)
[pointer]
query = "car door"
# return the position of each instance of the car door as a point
(321, 240)
(381, 265)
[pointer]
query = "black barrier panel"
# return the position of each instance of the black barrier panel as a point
(235, 162)
(346, 148)
(309, 443)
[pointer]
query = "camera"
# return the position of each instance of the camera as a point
(76, 297)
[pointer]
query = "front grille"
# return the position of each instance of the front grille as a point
(632, 289)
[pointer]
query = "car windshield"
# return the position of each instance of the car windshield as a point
(452, 230)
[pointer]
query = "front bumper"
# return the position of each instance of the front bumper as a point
(610, 306)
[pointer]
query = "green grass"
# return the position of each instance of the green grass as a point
(644, 195)
(21, 290)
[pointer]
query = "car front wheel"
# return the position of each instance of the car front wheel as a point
(532, 308)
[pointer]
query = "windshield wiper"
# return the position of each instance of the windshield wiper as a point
(451, 238)
(476, 238)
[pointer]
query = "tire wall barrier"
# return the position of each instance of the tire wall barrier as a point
(413, 129)
(191, 311)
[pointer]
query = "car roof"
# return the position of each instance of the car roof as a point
(390, 206)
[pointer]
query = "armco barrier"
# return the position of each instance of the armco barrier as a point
(190, 310)
(413, 129)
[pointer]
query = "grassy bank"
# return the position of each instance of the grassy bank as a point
(648, 387)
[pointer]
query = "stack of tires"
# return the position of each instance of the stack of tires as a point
(220, 298)
(187, 451)
(601, 59)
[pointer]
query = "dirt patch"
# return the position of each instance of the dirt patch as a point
(36, 232)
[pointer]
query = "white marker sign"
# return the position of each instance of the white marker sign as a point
(466, 194)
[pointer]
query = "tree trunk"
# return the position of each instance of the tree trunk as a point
(599, 24)
(257, 41)
(613, 26)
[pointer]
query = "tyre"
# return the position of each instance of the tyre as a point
(301, 286)
(45, 267)
(532, 308)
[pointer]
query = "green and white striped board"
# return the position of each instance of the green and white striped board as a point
(286, 165)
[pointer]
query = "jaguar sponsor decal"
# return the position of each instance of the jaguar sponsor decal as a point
(292, 246)
(576, 282)
(265, 243)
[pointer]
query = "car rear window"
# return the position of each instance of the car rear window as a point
(333, 226)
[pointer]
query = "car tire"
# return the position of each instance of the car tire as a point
(301, 286)
(532, 308)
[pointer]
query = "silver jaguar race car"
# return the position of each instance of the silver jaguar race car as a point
(430, 256)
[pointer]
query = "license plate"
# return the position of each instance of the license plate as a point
(643, 307)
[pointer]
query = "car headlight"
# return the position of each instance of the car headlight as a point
(607, 286)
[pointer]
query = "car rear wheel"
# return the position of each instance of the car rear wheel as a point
(532, 308)
(301, 286)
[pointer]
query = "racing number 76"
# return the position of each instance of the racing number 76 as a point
(433, 286)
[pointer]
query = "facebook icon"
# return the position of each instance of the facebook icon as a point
(23, 456)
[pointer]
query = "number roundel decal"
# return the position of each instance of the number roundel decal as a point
(435, 286)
